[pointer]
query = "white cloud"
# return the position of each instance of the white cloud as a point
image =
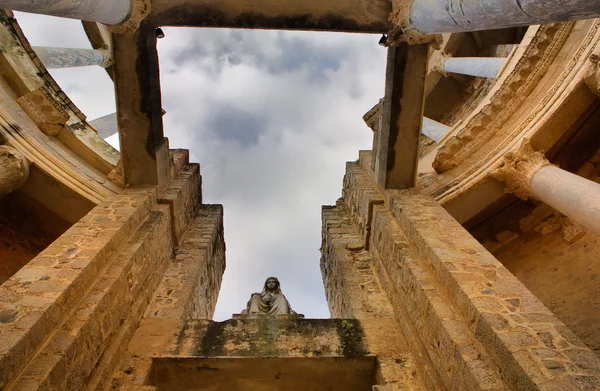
(272, 117)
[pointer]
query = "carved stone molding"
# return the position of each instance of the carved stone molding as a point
(14, 169)
(545, 220)
(455, 187)
(140, 9)
(532, 66)
(438, 64)
(518, 167)
(402, 30)
(592, 76)
(44, 110)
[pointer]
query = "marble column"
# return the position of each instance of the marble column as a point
(14, 169)
(106, 125)
(473, 66)
(527, 173)
(54, 58)
(448, 16)
(433, 129)
(104, 11)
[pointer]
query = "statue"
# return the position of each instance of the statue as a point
(270, 301)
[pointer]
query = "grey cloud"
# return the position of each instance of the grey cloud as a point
(230, 123)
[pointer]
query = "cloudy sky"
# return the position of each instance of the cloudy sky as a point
(272, 117)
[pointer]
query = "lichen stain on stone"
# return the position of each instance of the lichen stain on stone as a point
(352, 337)
(213, 341)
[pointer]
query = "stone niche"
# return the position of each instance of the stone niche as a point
(282, 352)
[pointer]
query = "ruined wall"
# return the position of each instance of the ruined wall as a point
(550, 257)
(67, 316)
(21, 237)
(188, 291)
(564, 276)
(466, 318)
(191, 284)
(354, 291)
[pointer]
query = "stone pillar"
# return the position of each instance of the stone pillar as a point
(472, 66)
(527, 173)
(54, 58)
(434, 130)
(448, 16)
(103, 11)
(106, 125)
(14, 169)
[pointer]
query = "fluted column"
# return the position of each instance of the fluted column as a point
(527, 173)
(447, 16)
(14, 169)
(54, 58)
(103, 11)
(473, 66)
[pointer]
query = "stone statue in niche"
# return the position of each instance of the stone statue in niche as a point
(270, 301)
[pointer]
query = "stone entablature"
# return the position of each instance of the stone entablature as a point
(506, 97)
(474, 322)
(544, 115)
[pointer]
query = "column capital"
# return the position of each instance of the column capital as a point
(14, 169)
(139, 10)
(518, 167)
(438, 60)
(403, 30)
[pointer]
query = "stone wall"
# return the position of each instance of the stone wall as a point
(188, 291)
(465, 317)
(21, 238)
(68, 315)
(353, 290)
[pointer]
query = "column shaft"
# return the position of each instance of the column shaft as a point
(446, 16)
(106, 125)
(475, 66)
(433, 129)
(54, 58)
(103, 11)
(14, 169)
(575, 197)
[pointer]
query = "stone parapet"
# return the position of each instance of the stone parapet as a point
(354, 290)
(359, 199)
(41, 301)
(461, 312)
(190, 286)
(183, 194)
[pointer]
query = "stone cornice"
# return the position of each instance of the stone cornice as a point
(481, 127)
(447, 188)
(50, 162)
(14, 169)
(518, 167)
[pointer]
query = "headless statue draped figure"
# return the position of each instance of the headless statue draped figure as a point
(270, 301)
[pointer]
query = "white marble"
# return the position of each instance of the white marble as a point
(574, 196)
(475, 66)
(106, 125)
(53, 58)
(447, 16)
(104, 11)
(433, 129)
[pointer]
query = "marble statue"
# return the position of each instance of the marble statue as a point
(270, 301)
